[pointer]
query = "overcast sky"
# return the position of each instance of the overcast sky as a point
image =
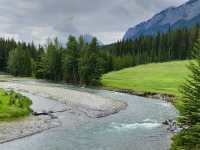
(107, 19)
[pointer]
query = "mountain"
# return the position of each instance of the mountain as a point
(88, 39)
(186, 15)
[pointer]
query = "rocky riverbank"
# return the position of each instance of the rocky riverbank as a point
(93, 106)
(28, 126)
(166, 97)
(74, 105)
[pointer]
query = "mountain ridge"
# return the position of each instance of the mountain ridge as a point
(185, 15)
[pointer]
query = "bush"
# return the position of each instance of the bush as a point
(13, 105)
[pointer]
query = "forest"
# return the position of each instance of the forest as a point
(173, 45)
(83, 63)
(76, 63)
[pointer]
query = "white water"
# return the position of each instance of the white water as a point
(133, 126)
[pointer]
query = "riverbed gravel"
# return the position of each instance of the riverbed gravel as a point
(82, 106)
(28, 126)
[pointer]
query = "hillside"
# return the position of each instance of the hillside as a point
(185, 15)
(159, 78)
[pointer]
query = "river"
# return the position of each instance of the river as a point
(139, 127)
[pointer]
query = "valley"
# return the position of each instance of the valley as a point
(100, 75)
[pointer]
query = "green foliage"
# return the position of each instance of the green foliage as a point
(189, 105)
(89, 69)
(173, 45)
(54, 61)
(187, 139)
(40, 67)
(57, 63)
(6, 45)
(189, 108)
(71, 61)
(93, 64)
(13, 105)
(125, 62)
(84, 63)
(19, 62)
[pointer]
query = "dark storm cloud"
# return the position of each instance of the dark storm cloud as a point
(108, 19)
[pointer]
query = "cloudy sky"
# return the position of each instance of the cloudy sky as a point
(38, 20)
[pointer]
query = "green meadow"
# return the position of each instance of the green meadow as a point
(156, 77)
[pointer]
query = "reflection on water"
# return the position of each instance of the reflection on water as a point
(136, 128)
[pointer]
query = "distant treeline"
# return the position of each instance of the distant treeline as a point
(6, 45)
(173, 45)
(83, 63)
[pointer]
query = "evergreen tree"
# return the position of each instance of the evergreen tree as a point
(40, 67)
(93, 64)
(19, 62)
(54, 59)
(71, 61)
(190, 102)
(189, 107)
(89, 69)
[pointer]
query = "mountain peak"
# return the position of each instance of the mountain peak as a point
(185, 15)
(191, 1)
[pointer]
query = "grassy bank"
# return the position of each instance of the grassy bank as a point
(13, 105)
(156, 78)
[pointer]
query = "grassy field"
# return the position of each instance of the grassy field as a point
(13, 105)
(159, 77)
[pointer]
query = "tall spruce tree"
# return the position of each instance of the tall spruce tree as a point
(71, 61)
(189, 107)
(54, 59)
(190, 103)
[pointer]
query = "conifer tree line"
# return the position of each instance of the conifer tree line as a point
(173, 45)
(84, 63)
(76, 63)
(7, 45)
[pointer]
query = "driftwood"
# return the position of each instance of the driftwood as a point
(45, 113)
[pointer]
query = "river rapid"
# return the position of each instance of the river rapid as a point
(138, 127)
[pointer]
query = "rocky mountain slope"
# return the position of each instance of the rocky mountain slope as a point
(186, 15)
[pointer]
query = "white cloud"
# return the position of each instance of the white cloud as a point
(106, 37)
(107, 19)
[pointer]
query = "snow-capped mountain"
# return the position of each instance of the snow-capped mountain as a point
(186, 15)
